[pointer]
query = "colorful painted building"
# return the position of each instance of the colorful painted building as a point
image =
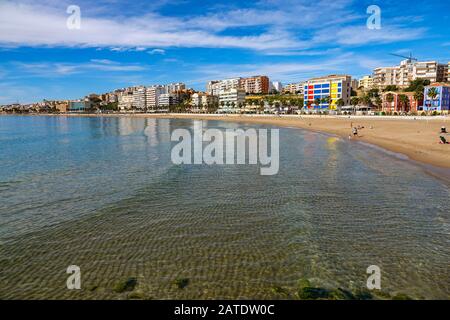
(319, 89)
(437, 98)
(393, 102)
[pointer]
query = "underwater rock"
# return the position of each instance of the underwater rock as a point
(127, 285)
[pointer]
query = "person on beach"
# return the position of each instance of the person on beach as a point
(355, 131)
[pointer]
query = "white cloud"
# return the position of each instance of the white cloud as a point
(55, 69)
(361, 35)
(157, 51)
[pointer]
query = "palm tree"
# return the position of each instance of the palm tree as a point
(326, 100)
(390, 99)
(277, 106)
(261, 106)
(317, 102)
(354, 101)
(418, 96)
(366, 100)
(340, 103)
(378, 103)
(432, 93)
(404, 101)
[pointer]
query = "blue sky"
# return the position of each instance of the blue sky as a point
(124, 43)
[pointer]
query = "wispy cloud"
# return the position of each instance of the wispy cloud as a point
(157, 51)
(55, 69)
(360, 35)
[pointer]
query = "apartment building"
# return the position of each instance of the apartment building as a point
(334, 86)
(231, 99)
(232, 83)
(203, 99)
(276, 85)
(392, 102)
(447, 73)
(166, 100)
(295, 88)
(152, 96)
(251, 85)
(255, 85)
(139, 98)
(126, 100)
(437, 98)
(213, 87)
(175, 87)
(366, 83)
(408, 71)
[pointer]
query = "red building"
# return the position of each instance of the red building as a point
(394, 102)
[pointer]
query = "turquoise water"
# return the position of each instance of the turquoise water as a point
(102, 193)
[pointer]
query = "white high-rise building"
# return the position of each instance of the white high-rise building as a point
(126, 100)
(233, 83)
(276, 85)
(408, 71)
(166, 100)
(139, 98)
(152, 96)
(175, 87)
(230, 100)
(213, 87)
(203, 99)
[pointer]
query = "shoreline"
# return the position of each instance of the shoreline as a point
(415, 137)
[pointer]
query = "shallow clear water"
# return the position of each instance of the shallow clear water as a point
(102, 193)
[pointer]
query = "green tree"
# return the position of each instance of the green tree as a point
(417, 85)
(378, 102)
(373, 93)
(327, 100)
(418, 96)
(390, 97)
(390, 88)
(404, 102)
(354, 101)
(366, 100)
(317, 102)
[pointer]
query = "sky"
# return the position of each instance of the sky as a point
(126, 43)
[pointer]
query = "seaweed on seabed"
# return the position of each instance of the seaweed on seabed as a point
(126, 285)
(308, 292)
(181, 283)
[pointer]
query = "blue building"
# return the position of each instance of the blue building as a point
(439, 103)
(78, 106)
